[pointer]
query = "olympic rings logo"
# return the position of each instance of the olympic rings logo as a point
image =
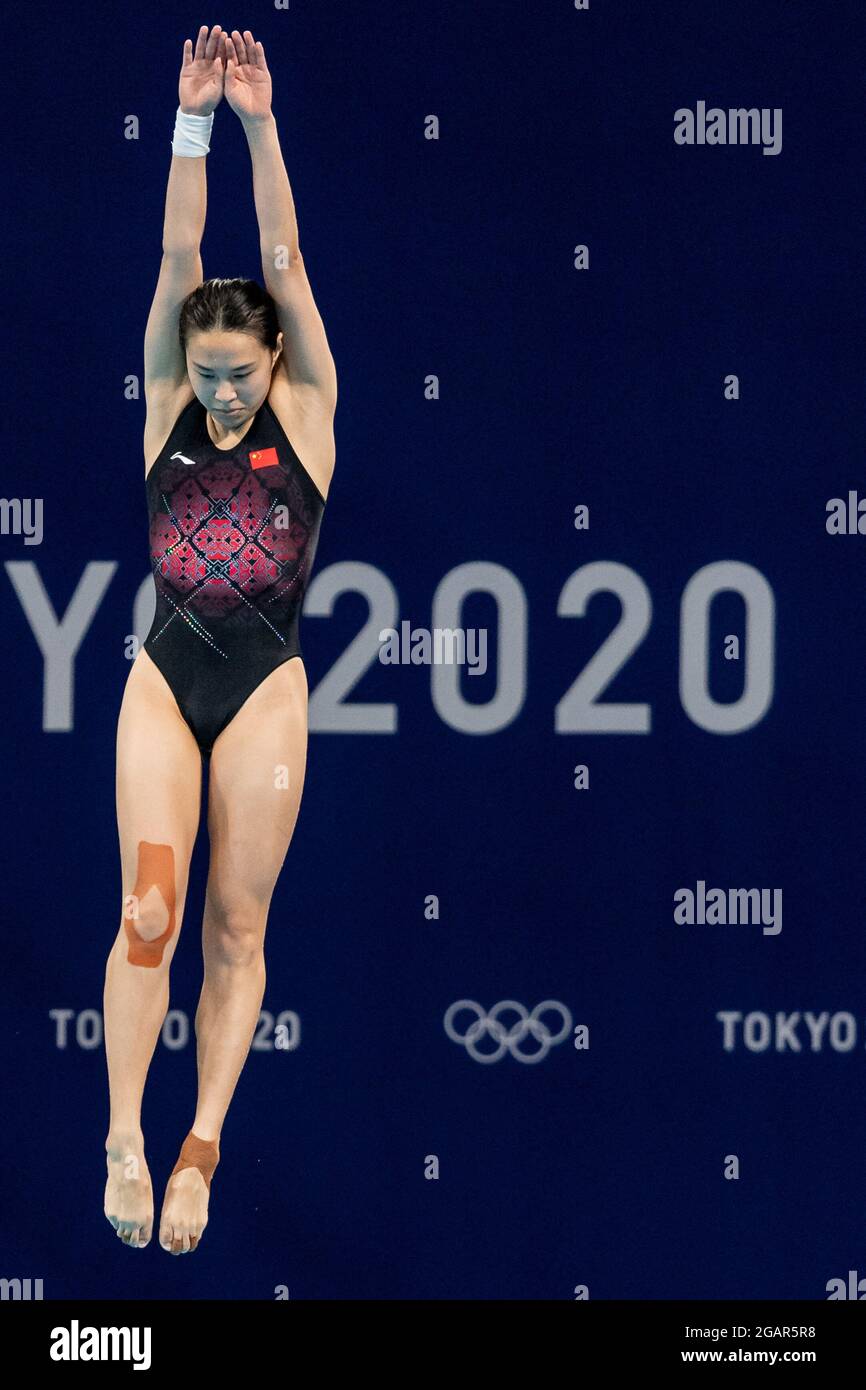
(508, 1039)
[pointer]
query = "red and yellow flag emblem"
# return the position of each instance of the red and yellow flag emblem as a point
(263, 458)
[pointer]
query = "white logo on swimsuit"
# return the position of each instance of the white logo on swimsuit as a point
(183, 459)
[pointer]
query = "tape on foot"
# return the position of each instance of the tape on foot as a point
(203, 1154)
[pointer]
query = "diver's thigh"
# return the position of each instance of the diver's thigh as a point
(158, 772)
(255, 784)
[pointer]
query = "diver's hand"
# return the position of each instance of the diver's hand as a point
(248, 82)
(202, 75)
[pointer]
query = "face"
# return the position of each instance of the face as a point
(230, 373)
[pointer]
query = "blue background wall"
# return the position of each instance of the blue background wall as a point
(604, 1166)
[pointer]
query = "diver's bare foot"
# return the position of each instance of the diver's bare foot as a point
(184, 1207)
(128, 1192)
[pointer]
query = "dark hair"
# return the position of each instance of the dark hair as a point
(226, 306)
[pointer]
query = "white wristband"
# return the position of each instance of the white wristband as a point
(191, 134)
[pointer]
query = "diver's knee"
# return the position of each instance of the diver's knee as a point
(235, 933)
(150, 910)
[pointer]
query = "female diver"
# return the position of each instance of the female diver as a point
(240, 392)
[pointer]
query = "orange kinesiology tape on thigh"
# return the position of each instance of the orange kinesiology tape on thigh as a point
(203, 1154)
(155, 874)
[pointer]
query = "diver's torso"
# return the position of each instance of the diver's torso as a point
(233, 535)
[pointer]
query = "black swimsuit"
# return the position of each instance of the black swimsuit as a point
(233, 535)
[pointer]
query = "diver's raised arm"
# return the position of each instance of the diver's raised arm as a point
(200, 90)
(307, 357)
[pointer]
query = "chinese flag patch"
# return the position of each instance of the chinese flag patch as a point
(263, 458)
